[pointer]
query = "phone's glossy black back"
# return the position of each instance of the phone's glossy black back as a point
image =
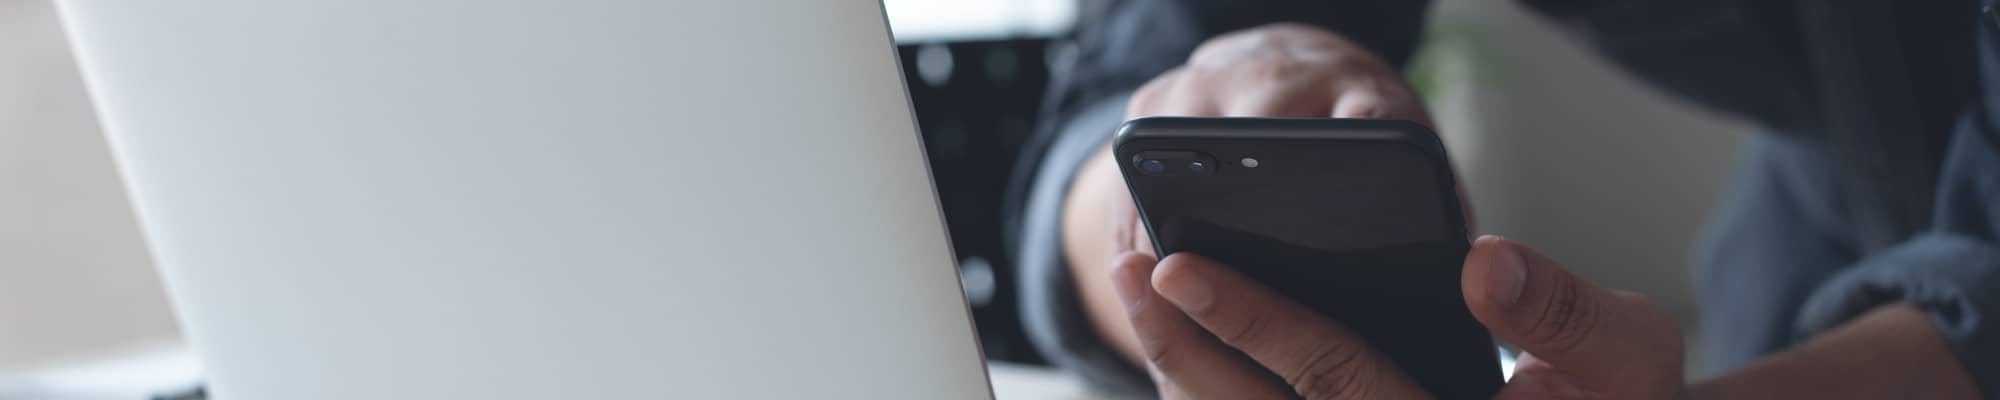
(1358, 219)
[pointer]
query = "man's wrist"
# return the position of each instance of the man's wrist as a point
(1893, 351)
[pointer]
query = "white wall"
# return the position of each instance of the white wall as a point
(1562, 151)
(75, 279)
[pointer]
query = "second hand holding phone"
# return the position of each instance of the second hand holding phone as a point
(1357, 219)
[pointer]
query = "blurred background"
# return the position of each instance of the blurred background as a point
(1520, 106)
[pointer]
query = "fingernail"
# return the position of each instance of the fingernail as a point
(1186, 289)
(1126, 286)
(1507, 273)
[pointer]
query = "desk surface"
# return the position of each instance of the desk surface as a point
(168, 367)
(1020, 382)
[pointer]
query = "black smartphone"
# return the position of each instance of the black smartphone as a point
(1358, 219)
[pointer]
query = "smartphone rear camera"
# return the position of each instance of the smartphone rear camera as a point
(1197, 167)
(1154, 167)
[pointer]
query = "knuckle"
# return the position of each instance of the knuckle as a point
(1162, 356)
(1364, 110)
(1229, 45)
(1567, 319)
(1250, 333)
(1149, 95)
(1269, 70)
(1329, 373)
(1368, 84)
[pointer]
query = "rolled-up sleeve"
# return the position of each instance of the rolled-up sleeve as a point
(1953, 273)
(1954, 278)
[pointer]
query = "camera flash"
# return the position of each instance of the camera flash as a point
(1249, 162)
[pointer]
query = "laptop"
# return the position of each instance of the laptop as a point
(509, 199)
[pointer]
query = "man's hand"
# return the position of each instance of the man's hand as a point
(1581, 341)
(1585, 342)
(1278, 70)
(1281, 70)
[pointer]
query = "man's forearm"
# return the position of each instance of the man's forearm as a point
(1892, 352)
(1093, 232)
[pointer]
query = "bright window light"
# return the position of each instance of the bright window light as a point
(945, 20)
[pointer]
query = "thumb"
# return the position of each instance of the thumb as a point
(1614, 338)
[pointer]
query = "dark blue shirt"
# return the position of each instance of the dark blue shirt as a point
(1877, 181)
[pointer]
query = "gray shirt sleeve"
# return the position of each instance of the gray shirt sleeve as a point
(1050, 309)
(1953, 273)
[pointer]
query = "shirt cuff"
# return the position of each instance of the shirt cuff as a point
(1956, 279)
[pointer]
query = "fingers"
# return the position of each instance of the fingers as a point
(1173, 93)
(1319, 359)
(1280, 70)
(1374, 100)
(1277, 88)
(1186, 361)
(1278, 101)
(1617, 338)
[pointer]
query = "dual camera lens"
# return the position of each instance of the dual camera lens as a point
(1174, 163)
(1157, 167)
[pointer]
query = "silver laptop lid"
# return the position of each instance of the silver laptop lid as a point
(506, 199)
